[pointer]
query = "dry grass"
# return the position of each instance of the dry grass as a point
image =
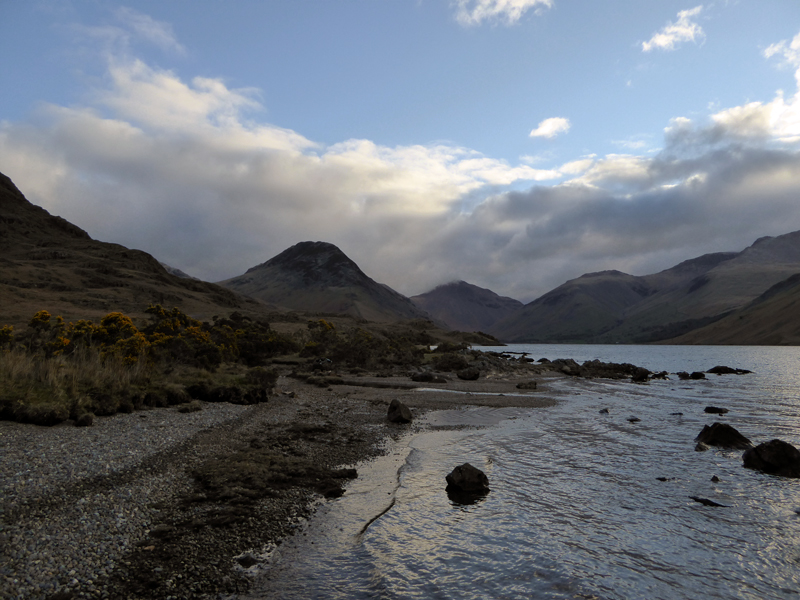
(49, 390)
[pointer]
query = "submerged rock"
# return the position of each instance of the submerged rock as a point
(775, 457)
(399, 412)
(723, 436)
(723, 370)
(467, 479)
(527, 385)
(715, 410)
(707, 502)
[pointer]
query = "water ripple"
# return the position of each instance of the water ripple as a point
(576, 508)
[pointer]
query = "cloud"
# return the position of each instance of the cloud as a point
(180, 170)
(185, 170)
(673, 34)
(475, 12)
(131, 26)
(149, 29)
(550, 128)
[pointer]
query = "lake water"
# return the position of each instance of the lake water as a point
(576, 509)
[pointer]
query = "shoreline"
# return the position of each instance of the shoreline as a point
(118, 510)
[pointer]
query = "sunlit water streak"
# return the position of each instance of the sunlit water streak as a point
(576, 509)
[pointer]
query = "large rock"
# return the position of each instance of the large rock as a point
(467, 479)
(776, 457)
(723, 436)
(399, 412)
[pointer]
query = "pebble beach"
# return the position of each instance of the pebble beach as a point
(107, 511)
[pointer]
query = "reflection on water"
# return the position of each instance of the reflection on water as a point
(577, 509)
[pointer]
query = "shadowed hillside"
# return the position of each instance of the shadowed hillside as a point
(772, 319)
(48, 263)
(466, 307)
(614, 307)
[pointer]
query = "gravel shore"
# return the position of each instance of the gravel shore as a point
(119, 509)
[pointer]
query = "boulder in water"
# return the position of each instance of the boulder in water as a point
(715, 410)
(775, 457)
(723, 436)
(467, 479)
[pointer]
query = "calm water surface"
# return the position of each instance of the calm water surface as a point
(575, 508)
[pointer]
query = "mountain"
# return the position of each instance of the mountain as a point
(772, 319)
(614, 307)
(48, 263)
(318, 277)
(465, 307)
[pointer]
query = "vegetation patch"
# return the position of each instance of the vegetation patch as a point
(56, 370)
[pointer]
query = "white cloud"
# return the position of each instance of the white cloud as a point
(183, 170)
(147, 28)
(188, 178)
(682, 30)
(550, 128)
(475, 12)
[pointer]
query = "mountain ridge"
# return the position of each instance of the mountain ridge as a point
(614, 307)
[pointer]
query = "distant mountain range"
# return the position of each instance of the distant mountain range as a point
(747, 297)
(614, 307)
(319, 277)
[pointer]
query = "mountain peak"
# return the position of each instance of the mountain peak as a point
(315, 262)
(319, 277)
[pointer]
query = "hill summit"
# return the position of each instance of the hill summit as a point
(466, 307)
(319, 277)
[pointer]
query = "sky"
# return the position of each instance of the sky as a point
(513, 144)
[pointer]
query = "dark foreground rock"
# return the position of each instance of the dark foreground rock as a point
(723, 435)
(399, 412)
(775, 457)
(467, 479)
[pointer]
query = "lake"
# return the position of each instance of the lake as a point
(583, 504)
